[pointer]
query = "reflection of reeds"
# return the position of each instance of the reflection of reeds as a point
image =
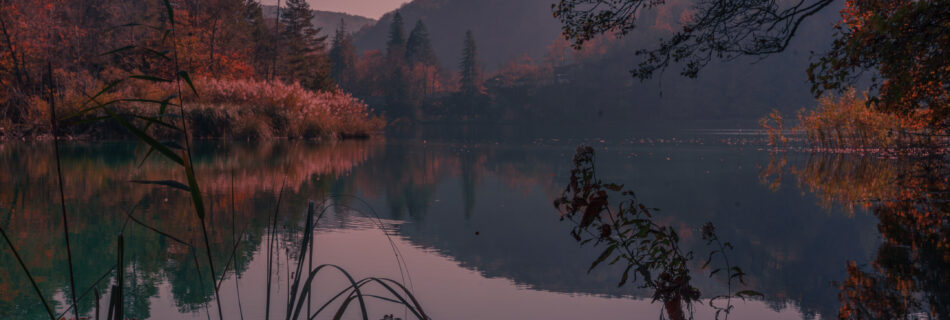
(849, 181)
(850, 124)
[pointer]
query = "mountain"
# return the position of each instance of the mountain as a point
(328, 21)
(503, 29)
(595, 85)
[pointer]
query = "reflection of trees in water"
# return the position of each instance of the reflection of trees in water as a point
(911, 199)
(98, 195)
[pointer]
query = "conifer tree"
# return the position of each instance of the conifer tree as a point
(419, 48)
(304, 50)
(422, 63)
(255, 27)
(396, 45)
(343, 57)
(468, 67)
(397, 87)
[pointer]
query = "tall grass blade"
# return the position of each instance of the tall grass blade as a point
(164, 150)
(184, 75)
(59, 176)
(168, 183)
(309, 283)
(270, 251)
(171, 13)
(237, 286)
(120, 281)
(96, 292)
(308, 232)
(19, 260)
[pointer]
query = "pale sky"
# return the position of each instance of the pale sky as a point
(367, 8)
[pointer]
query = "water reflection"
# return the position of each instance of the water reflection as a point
(911, 199)
(479, 209)
(99, 196)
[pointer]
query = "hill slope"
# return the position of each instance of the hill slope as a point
(329, 21)
(503, 29)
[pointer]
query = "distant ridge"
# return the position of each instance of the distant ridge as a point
(503, 29)
(329, 20)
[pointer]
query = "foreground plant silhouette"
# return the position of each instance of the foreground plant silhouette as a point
(181, 155)
(628, 230)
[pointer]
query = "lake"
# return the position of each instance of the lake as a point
(467, 223)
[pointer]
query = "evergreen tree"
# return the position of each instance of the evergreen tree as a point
(397, 86)
(257, 31)
(419, 48)
(469, 83)
(304, 50)
(396, 46)
(343, 58)
(422, 63)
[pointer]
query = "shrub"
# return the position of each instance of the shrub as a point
(223, 108)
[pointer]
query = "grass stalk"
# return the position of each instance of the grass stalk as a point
(19, 260)
(96, 293)
(59, 175)
(237, 286)
(189, 165)
(270, 250)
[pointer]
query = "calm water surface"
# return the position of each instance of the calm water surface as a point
(467, 223)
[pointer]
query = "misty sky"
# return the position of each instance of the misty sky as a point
(367, 8)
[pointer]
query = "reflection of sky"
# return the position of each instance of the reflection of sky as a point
(367, 8)
(445, 289)
(523, 263)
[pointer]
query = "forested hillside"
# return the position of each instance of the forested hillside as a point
(527, 72)
(328, 20)
(247, 76)
(505, 28)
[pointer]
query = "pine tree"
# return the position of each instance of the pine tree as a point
(396, 46)
(419, 48)
(397, 86)
(469, 66)
(343, 58)
(422, 63)
(305, 58)
(258, 34)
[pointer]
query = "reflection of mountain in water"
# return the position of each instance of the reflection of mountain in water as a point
(791, 244)
(792, 248)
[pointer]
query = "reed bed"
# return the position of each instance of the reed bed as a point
(245, 109)
(849, 123)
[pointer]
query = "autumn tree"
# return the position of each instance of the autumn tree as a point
(303, 49)
(903, 44)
